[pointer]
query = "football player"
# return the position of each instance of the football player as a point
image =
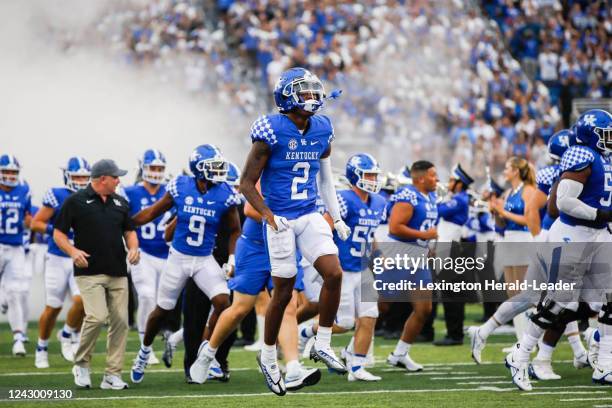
(15, 215)
(412, 220)
(584, 200)
(203, 203)
(154, 250)
(59, 269)
(289, 151)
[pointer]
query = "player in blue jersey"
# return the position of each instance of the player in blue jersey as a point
(154, 250)
(59, 271)
(584, 199)
(412, 220)
(453, 212)
(204, 203)
(362, 209)
(290, 149)
(15, 215)
(541, 367)
(251, 277)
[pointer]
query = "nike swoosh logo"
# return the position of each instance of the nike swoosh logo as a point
(89, 201)
(210, 202)
(314, 143)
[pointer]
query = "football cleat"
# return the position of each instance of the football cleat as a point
(361, 374)
(305, 378)
(215, 372)
(169, 349)
(345, 357)
(274, 379)
(542, 370)
(404, 362)
(41, 359)
(138, 368)
(66, 346)
(81, 376)
(591, 336)
(581, 361)
(477, 343)
(200, 368)
(328, 357)
(303, 341)
(113, 382)
(602, 375)
(153, 360)
(19, 348)
(519, 373)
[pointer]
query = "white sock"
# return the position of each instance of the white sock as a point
(145, 307)
(15, 311)
(261, 321)
(323, 338)
(308, 331)
(528, 342)
(604, 358)
(350, 347)
(176, 337)
(402, 348)
(268, 353)
(145, 349)
(576, 345)
(358, 361)
(293, 368)
(487, 328)
(520, 324)
(210, 351)
(43, 344)
(141, 336)
(545, 352)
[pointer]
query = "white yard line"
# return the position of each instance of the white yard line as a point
(477, 377)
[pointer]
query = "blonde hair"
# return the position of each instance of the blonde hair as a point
(526, 171)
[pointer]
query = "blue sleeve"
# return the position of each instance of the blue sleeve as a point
(545, 179)
(343, 206)
(172, 188)
(405, 196)
(451, 207)
(262, 131)
(50, 200)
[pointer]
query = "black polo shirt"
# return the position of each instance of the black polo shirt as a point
(98, 230)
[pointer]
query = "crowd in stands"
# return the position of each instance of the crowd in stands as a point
(452, 80)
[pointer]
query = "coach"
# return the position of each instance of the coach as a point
(100, 222)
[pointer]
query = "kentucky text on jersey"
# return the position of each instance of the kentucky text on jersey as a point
(288, 181)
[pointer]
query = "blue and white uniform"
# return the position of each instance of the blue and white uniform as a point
(362, 218)
(154, 249)
(513, 250)
(59, 269)
(15, 205)
(198, 219)
(424, 217)
(288, 185)
(546, 177)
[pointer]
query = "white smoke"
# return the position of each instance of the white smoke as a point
(59, 101)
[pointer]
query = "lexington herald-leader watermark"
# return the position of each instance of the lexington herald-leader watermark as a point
(486, 272)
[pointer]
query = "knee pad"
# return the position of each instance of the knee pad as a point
(547, 315)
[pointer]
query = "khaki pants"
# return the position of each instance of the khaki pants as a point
(105, 298)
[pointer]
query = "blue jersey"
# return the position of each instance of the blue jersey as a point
(424, 214)
(198, 215)
(288, 181)
(455, 210)
(516, 205)
(54, 198)
(150, 235)
(15, 204)
(363, 219)
(545, 178)
(597, 191)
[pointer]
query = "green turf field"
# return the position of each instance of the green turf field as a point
(450, 379)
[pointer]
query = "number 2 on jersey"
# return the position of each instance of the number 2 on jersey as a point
(302, 195)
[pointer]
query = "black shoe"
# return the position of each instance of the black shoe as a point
(241, 342)
(424, 338)
(447, 341)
